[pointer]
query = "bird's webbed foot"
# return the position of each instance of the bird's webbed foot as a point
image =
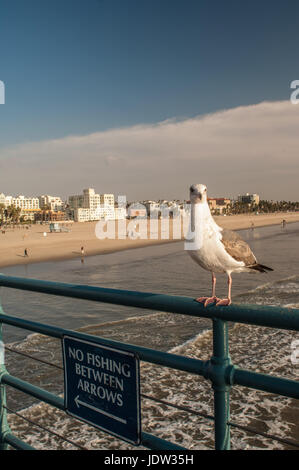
(207, 300)
(223, 302)
(201, 300)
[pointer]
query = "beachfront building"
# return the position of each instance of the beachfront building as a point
(25, 203)
(137, 209)
(53, 203)
(90, 200)
(28, 206)
(8, 201)
(75, 202)
(100, 213)
(46, 215)
(120, 213)
(2, 199)
(249, 199)
(92, 206)
(152, 208)
(30, 214)
(164, 209)
(107, 199)
(218, 205)
(87, 200)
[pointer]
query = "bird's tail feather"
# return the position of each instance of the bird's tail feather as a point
(260, 267)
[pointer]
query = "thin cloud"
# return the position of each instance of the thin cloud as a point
(249, 148)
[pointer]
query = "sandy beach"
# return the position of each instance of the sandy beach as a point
(66, 245)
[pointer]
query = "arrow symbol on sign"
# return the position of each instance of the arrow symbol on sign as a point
(94, 408)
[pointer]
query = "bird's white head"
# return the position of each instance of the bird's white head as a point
(198, 194)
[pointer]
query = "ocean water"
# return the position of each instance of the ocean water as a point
(165, 269)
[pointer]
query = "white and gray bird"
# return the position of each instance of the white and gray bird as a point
(216, 249)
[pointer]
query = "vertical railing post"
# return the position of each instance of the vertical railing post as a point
(219, 363)
(4, 428)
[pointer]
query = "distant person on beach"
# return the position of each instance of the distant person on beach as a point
(82, 254)
(252, 225)
(283, 223)
(25, 252)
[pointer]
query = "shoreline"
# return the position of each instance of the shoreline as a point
(64, 246)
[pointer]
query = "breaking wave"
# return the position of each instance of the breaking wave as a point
(256, 348)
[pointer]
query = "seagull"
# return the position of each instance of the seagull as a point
(214, 248)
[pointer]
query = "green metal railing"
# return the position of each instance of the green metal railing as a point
(219, 369)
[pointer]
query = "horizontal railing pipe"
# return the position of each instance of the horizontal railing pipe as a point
(261, 315)
(148, 440)
(194, 366)
(267, 383)
(16, 443)
(33, 390)
(246, 378)
(219, 369)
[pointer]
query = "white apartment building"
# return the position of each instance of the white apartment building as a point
(54, 203)
(75, 202)
(6, 200)
(87, 200)
(25, 203)
(90, 200)
(28, 205)
(92, 206)
(249, 198)
(82, 214)
(107, 199)
(163, 208)
(120, 213)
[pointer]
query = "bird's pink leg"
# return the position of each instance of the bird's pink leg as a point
(227, 301)
(210, 300)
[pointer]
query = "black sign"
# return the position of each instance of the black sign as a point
(102, 387)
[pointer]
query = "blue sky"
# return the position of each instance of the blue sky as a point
(75, 67)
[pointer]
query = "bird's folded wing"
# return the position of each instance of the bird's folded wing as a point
(237, 247)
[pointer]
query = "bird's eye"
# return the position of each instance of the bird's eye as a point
(192, 189)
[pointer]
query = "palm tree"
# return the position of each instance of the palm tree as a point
(12, 214)
(2, 209)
